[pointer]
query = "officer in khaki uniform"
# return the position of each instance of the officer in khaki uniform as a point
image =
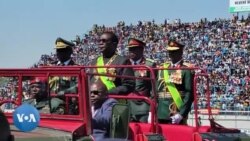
(140, 109)
(39, 97)
(174, 87)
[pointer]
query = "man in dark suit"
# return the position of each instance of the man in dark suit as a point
(139, 109)
(175, 91)
(107, 45)
(101, 110)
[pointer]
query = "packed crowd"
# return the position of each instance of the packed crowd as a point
(8, 92)
(220, 47)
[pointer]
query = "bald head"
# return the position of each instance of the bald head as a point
(98, 86)
(98, 93)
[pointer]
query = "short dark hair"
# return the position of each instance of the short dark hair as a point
(113, 36)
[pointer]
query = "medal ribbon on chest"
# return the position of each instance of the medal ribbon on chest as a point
(176, 77)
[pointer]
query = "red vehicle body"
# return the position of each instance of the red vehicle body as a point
(78, 127)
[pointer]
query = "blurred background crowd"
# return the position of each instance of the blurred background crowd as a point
(221, 47)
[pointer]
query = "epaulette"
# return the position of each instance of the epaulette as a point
(188, 64)
(162, 64)
(150, 60)
(167, 62)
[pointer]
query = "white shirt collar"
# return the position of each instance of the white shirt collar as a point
(65, 63)
(135, 62)
(176, 64)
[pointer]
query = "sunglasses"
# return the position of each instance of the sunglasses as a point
(104, 40)
(95, 92)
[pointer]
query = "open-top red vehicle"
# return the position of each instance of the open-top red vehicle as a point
(77, 126)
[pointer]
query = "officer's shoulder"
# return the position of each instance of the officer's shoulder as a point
(165, 63)
(188, 64)
(150, 62)
(121, 57)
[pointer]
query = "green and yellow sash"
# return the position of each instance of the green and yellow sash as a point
(109, 84)
(172, 89)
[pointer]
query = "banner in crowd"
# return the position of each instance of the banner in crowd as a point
(239, 6)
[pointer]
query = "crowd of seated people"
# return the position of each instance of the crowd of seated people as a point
(219, 46)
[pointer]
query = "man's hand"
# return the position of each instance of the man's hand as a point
(176, 118)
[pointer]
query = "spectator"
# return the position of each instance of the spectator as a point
(220, 44)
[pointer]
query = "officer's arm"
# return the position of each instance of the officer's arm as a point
(72, 89)
(56, 106)
(188, 93)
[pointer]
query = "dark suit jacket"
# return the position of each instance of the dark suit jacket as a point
(123, 85)
(101, 119)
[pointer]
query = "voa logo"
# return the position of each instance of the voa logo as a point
(26, 117)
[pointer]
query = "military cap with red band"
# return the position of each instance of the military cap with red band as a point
(38, 80)
(174, 45)
(132, 42)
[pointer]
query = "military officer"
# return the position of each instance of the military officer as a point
(139, 109)
(64, 50)
(174, 87)
(63, 85)
(107, 45)
(40, 99)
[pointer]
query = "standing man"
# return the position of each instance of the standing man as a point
(101, 107)
(140, 109)
(107, 45)
(175, 91)
(63, 85)
(64, 50)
